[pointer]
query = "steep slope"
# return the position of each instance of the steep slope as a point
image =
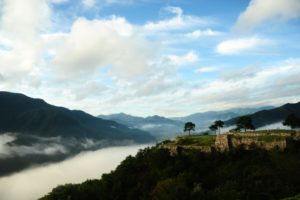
(22, 114)
(266, 117)
(156, 174)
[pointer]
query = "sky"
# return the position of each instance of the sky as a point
(158, 57)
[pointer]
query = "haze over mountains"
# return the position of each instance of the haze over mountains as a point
(158, 126)
(33, 131)
(162, 127)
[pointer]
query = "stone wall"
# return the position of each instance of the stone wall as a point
(227, 141)
(248, 141)
(222, 143)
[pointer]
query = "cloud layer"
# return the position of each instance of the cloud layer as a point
(36, 182)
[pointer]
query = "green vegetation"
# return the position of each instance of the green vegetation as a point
(199, 140)
(244, 122)
(272, 131)
(261, 138)
(155, 174)
(292, 120)
(217, 126)
(270, 138)
(189, 126)
(297, 197)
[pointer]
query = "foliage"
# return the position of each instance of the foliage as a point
(292, 121)
(297, 197)
(189, 126)
(213, 128)
(155, 174)
(245, 122)
(217, 126)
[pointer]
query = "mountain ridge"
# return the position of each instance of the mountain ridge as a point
(20, 113)
(275, 115)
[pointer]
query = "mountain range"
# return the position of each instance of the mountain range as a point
(163, 128)
(160, 127)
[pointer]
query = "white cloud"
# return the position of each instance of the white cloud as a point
(240, 45)
(202, 33)
(36, 182)
(203, 70)
(59, 1)
(261, 11)
(88, 3)
(188, 58)
(179, 21)
(21, 23)
(92, 44)
(268, 85)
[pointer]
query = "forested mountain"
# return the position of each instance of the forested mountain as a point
(266, 117)
(34, 132)
(22, 114)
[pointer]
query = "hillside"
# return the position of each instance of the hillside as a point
(35, 132)
(158, 126)
(266, 117)
(22, 114)
(156, 173)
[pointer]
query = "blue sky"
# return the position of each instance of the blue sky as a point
(143, 57)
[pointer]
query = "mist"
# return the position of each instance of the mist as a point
(35, 182)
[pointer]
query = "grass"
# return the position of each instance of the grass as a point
(262, 138)
(199, 140)
(270, 131)
(269, 139)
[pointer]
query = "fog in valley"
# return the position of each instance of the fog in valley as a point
(35, 182)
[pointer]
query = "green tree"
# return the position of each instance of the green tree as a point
(217, 126)
(189, 126)
(292, 120)
(213, 128)
(245, 122)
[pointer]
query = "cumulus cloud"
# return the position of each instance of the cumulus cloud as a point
(21, 23)
(240, 45)
(179, 21)
(92, 44)
(259, 12)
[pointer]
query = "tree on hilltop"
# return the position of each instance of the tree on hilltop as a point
(217, 126)
(292, 120)
(213, 128)
(189, 126)
(245, 122)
